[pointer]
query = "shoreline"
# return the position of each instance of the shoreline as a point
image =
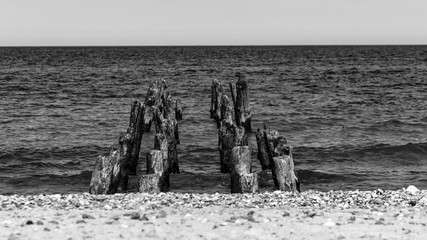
(376, 214)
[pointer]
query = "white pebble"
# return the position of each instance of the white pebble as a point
(412, 189)
(108, 207)
(329, 223)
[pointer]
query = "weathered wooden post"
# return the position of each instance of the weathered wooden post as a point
(154, 98)
(242, 180)
(156, 180)
(242, 109)
(167, 130)
(125, 154)
(216, 101)
(262, 143)
(284, 168)
(135, 130)
(282, 164)
(229, 136)
(107, 173)
(111, 174)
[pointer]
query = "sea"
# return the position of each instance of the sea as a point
(356, 116)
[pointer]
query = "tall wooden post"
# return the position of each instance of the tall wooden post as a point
(229, 136)
(154, 99)
(242, 109)
(135, 130)
(216, 101)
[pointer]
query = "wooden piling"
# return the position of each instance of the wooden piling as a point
(125, 143)
(216, 101)
(106, 175)
(229, 136)
(150, 183)
(157, 179)
(244, 183)
(241, 159)
(242, 180)
(265, 138)
(168, 129)
(154, 161)
(153, 100)
(161, 144)
(282, 164)
(135, 130)
(111, 174)
(242, 109)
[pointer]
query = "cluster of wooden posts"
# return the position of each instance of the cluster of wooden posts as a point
(233, 137)
(111, 173)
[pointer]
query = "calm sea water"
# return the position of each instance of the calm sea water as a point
(355, 115)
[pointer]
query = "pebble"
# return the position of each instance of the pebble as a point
(135, 216)
(162, 214)
(412, 189)
(329, 223)
(87, 216)
(108, 207)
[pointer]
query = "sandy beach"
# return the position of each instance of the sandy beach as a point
(374, 214)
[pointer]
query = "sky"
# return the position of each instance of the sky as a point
(211, 22)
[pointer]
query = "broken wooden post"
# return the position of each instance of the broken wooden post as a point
(242, 180)
(244, 183)
(241, 159)
(262, 155)
(282, 165)
(229, 136)
(242, 109)
(284, 168)
(150, 183)
(106, 175)
(154, 98)
(125, 154)
(161, 144)
(216, 101)
(167, 128)
(110, 174)
(135, 129)
(156, 180)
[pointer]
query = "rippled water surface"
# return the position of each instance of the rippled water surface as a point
(356, 115)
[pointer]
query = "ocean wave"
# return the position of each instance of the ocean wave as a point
(28, 155)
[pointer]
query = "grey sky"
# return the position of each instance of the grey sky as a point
(212, 22)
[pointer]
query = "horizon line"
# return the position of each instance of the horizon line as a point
(217, 45)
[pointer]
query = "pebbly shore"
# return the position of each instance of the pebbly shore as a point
(378, 214)
(335, 199)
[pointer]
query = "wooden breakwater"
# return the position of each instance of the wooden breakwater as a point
(233, 121)
(233, 136)
(111, 173)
